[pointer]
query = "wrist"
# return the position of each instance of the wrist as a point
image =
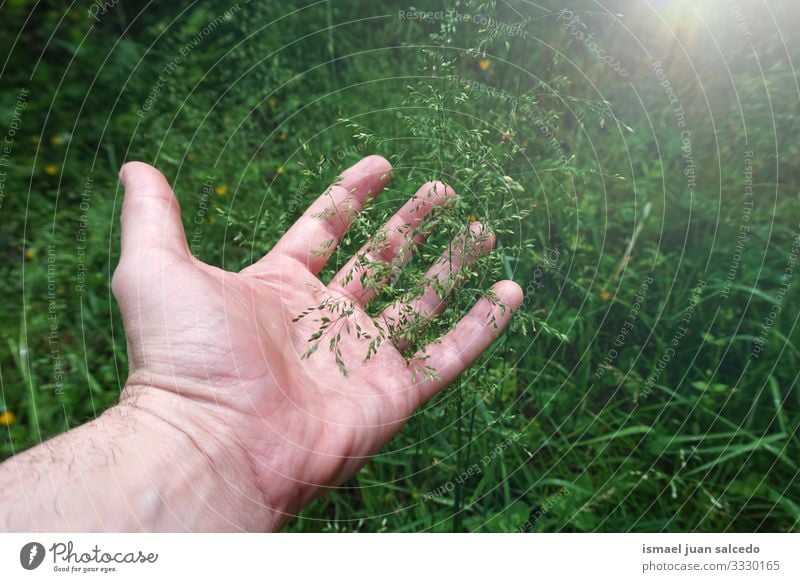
(200, 475)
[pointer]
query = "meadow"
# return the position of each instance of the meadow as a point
(638, 162)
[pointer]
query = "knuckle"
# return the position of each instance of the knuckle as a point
(121, 279)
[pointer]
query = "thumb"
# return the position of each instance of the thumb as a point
(151, 216)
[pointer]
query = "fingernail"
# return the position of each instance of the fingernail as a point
(476, 227)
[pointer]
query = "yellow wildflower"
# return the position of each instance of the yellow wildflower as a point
(272, 102)
(221, 190)
(56, 140)
(485, 64)
(605, 295)
(51, 169)
(30, 254)
(7, 418)
(280, 169)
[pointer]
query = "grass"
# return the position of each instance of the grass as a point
(620, 409)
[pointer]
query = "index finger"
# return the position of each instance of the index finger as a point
(312, 239)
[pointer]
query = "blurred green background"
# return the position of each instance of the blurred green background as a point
(654, 220)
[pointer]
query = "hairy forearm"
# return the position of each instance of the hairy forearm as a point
(137, 467)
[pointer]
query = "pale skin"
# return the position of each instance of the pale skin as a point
(223, 425)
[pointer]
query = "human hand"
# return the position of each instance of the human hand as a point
(220, 355)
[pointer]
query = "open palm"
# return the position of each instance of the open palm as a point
(235, 347)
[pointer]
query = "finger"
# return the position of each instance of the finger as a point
(391, 247)
(448, 357)
(312, 239)
(444, 275)
(151, 216)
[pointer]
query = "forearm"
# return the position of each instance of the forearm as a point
(134, 468)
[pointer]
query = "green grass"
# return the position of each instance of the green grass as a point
(592, 435)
